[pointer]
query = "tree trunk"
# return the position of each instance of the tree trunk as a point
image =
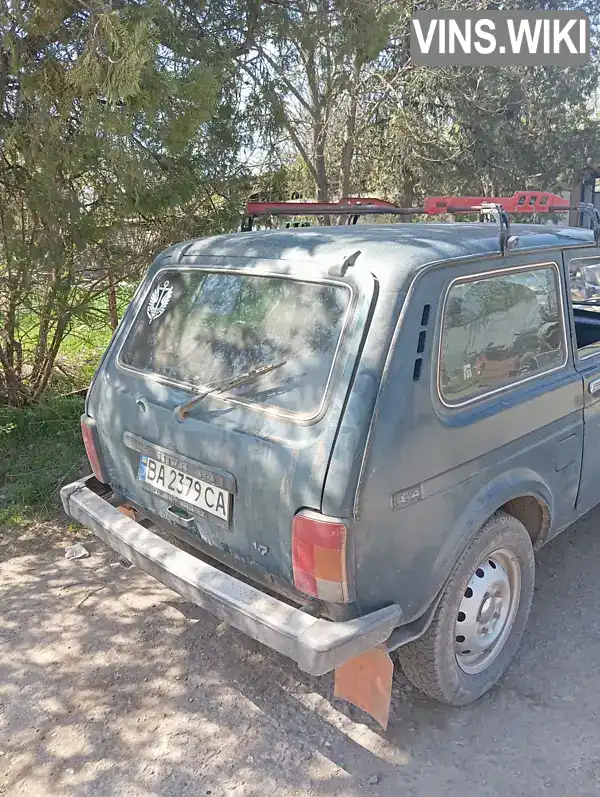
(408, 195)
(113, 316)
(51, 354)
(348, 153)
(350, 133)
(322, 181)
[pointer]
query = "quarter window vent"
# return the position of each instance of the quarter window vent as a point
(421, 343)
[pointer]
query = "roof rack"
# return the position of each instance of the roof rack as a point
(496, 208)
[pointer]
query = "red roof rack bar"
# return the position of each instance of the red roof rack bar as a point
(519, 202)
(496, 207)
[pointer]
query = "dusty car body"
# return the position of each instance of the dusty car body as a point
(428, 418)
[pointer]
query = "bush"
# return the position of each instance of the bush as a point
(40, 450)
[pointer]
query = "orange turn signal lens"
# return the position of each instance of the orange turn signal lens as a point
(319, 557)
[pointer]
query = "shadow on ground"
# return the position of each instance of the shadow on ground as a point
(111, 685)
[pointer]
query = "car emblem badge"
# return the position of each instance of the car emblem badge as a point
(159, 300)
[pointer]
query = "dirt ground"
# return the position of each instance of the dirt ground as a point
(111, 685)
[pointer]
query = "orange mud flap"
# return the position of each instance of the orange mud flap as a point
(366, 682)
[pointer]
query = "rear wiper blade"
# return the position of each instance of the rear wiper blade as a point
(183, 410)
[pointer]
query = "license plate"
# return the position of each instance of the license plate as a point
(193, 491)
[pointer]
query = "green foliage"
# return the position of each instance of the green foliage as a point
(127, 126)
(40, 448)
(114, 143)
(113, 60)
(339, 84)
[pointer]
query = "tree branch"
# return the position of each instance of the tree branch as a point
(289, 86)
(253, 18)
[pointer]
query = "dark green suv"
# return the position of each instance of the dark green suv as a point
(362, 431)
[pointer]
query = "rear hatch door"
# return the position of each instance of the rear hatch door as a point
(243, 462)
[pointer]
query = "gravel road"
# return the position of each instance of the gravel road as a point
(112, 685)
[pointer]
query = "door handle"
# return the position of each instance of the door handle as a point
(180, 516)
(594, 387)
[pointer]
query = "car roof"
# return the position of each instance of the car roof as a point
(391, 252)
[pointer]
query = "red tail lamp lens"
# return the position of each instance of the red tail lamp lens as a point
(88, 433)
(319, 557)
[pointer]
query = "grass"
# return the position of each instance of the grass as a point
(40, 450)
(78, 358)
(86, 341)
(40, 445)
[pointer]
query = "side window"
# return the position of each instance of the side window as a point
(498, 330)
(584, 275)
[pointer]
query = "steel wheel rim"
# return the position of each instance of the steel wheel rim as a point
(487, 611)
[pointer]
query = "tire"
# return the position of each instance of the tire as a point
(431, 663)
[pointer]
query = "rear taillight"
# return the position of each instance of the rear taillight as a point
(319, 557)
(88, 432)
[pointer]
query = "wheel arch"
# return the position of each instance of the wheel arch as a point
(521, 493)
(534, 513)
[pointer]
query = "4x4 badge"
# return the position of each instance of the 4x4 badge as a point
(159, 300)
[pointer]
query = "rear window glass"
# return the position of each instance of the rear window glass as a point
(498, 330)
(199, 327)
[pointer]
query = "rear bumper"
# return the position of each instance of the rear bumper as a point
(317, 645)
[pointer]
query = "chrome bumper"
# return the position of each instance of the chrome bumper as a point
(317, 645)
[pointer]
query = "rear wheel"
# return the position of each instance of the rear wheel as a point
(481, 617)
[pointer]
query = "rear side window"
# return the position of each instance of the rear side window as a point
(584, 275)
(198, 327)
(498, 330)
